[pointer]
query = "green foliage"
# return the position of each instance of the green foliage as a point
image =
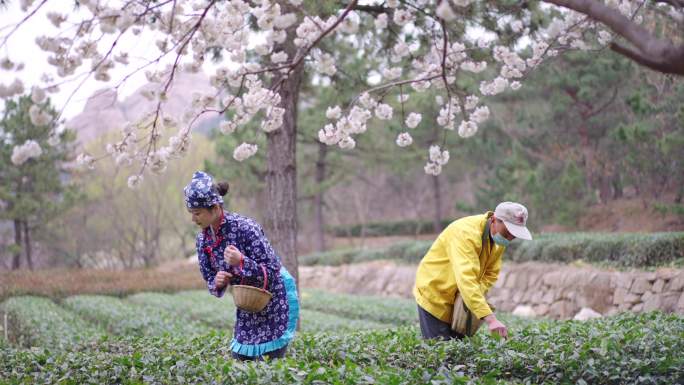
(36, 321)
(677, 209)
(193, 305)
(393, 311)
(219, 313)
(123, 318)
(410, 252)
(123, 227)
(577, 134)
(36, 191)
(613, 350)
(381, 229)
(613, 249)
(622, 250)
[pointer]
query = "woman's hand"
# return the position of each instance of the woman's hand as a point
(222, 278)
(232, 256)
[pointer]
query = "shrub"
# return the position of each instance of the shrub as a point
(613, 249)
(616, 350)
(35, 321)
(621, 249)
(381, 229)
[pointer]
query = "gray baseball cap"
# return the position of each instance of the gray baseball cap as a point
(514, 216)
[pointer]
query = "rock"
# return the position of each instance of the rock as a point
(658, 286)
(550, 279)
(646, 296)
(666, 273)
(533, 280)
(529, 295)
(549, 297)
(619, 295)
(517, 296)
(537, 297)
(640, 285)
(524, 311)
(541, 310)
(613, 311)
(632, 298)
(668, 302)
(677, 283)
(511, 281)
(562, 309)
(501, 281)
(558, 292)
(623, 280)
(652, 302)
(586, 313)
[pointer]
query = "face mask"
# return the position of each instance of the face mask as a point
(500, 240)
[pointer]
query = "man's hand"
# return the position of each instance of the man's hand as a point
(232, 255)
(495, 326)
(222, 278)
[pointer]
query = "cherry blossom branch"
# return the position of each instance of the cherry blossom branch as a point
(658, 54)
(394, 84)
(18, 25)
(187, 37)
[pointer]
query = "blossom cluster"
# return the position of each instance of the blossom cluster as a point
(422, 53)
(27, 150)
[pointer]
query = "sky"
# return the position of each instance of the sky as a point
(21, 48)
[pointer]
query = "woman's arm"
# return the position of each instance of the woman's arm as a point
(208, 273)
(253, 252)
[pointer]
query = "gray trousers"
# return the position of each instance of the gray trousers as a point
(433, 327)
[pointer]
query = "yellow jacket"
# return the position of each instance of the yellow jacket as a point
(457, 262)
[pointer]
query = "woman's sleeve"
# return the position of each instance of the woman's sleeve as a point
(258, 254)
(207, 272)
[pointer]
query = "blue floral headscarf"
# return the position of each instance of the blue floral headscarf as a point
(201, 192)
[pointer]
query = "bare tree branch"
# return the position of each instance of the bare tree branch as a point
(16, 27)
(374, 9)
(658, 54)
(605, 105)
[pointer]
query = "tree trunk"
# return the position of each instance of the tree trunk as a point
(605, 188)
(281, 172)
(318, 199)
(27, 242)
(437, 218)
(16, 259)
(617, 186)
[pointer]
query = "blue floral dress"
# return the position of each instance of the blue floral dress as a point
(274, 327)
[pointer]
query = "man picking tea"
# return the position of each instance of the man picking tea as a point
(460, 268)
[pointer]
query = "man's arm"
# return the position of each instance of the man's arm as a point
(490, 276)
(466, 266)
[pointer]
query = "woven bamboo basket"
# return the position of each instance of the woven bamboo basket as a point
(250, 298)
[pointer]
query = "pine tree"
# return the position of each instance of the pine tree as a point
(35, 190)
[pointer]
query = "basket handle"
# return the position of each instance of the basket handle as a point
(265, 277)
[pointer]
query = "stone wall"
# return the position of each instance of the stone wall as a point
(533, 289)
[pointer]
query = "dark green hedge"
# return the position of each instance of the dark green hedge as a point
(619, 249)
(406, 251)
(381, 229)
(615, 249)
